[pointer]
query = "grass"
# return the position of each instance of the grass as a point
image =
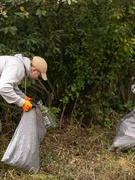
(75, 153)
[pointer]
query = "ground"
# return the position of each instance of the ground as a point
(75, 153)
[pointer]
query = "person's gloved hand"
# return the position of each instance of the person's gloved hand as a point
(31, 100)
(28, 105)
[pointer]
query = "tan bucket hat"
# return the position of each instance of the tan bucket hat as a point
(41, 65)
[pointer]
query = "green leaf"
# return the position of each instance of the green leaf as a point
(11, 30)
(40, 12)
(69, 2)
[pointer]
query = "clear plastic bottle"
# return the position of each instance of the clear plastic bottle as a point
(49, 120)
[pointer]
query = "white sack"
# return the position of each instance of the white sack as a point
(23, 149)
(125, 133)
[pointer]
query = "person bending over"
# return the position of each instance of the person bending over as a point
(13, 69)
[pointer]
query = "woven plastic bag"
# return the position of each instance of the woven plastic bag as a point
(23, 149)
(124, 139)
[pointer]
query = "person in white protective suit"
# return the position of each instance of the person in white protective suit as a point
(13, 69)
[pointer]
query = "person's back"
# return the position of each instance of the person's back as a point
(15, 61)
(12, 71)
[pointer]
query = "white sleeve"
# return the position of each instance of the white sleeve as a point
(19, 92)
(10, 77)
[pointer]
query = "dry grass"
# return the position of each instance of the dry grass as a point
(74, 153)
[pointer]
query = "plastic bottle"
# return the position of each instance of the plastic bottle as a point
(49, 120)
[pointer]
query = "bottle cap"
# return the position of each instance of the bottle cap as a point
(39, 103)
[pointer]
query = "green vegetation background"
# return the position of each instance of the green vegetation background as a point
(89, 47)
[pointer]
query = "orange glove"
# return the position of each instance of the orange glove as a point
(27, 106)
(27, 98)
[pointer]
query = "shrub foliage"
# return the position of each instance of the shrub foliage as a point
(89, 48)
